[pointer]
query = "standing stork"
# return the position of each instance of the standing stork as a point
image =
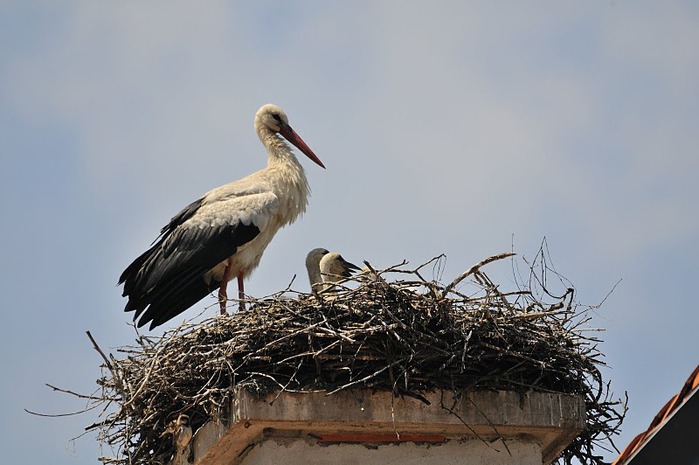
(223, 234)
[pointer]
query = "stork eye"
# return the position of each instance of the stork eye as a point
(277, 117)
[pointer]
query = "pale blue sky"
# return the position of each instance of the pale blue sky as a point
(447, 127)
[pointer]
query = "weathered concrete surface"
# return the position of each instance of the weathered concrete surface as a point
(261, 429)
(453, 452)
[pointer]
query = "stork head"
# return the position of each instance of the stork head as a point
(333, 267)
(313, 265)
(271, 118)
(314, 256)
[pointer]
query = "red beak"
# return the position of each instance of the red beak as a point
(290, 135)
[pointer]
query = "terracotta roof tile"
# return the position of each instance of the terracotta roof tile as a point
(659, 419)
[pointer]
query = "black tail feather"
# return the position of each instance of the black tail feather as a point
(177, 302)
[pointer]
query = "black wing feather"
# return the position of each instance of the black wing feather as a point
(185, 214)
(168, 278)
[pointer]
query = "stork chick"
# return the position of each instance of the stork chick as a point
(327, 268)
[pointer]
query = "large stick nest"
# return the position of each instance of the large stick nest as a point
(407, 335)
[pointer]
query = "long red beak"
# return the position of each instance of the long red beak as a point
(290, 135)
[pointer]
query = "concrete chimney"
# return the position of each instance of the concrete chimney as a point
(365, 427)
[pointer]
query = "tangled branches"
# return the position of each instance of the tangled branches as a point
(407, 335)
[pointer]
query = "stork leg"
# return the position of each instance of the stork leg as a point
(241, 291)
(223, 290)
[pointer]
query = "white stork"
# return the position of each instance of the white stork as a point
(327, 267)
(222, 235)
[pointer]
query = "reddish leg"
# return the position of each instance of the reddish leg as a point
(223, 290)
(241, 291)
